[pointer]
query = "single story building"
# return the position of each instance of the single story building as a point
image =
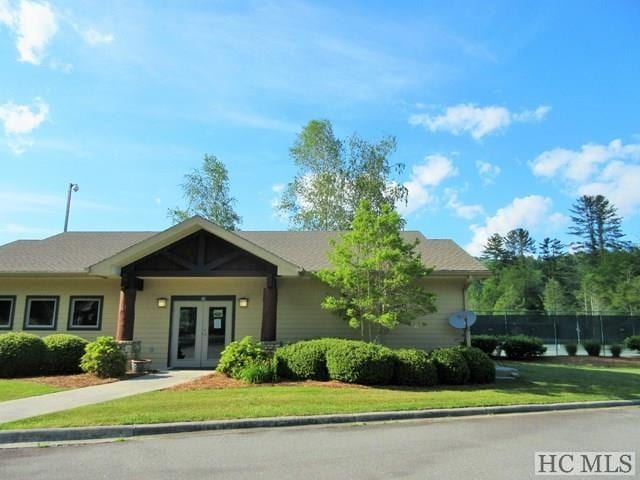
(189, 290)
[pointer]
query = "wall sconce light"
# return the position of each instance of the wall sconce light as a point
(162, 303)
(243, 302)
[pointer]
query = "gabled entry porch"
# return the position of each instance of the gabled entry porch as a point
(202, 319)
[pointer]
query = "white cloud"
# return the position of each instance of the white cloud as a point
(528, 212)
(35, 202)
(474, 120)
(460, 209)
(612, 170)
(487, 171)
(14, 228)
(33, 23)
(94, 37)
(20, 120)
(430, 173)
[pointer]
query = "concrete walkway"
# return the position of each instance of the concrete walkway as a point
(54, 402)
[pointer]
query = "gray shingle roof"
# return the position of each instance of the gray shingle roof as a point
(75, 252)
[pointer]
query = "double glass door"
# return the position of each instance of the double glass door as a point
(201, 329)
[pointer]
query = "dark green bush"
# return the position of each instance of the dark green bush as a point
(481, 367)
(571, 348)
(304, 360)
(616, 350)
(414, 368)
(451, 365)
(64, 353)
(519, 347)
(258, 372)
(486, 343)
(21, 355)
(632, 343)
(592, 347)
(104, 359)
(238, 355)
(359, 362)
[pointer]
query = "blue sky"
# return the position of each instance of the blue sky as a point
(504, 112)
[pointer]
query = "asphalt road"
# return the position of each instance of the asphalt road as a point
(500, 447)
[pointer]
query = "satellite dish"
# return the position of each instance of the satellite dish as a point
(462, 319)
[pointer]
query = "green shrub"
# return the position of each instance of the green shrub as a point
(518, 347)
(633, 343)
(414, 367)
(104, 359)
(359, 362)
(592, 347)
(64, 353)
(451, 365)
(305, 360)
(21, 354)
(258, 372)
(238, 355)
(571, 348)
(481, 367)
(486, 343)
(616, 350)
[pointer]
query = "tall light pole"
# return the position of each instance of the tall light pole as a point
(73, 187)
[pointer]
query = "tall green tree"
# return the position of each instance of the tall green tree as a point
(494, 250)
(334, 176)
(376, 274)
(553, 297)
(206, 191)
(518, 243)
(597, 225)
(551, 254)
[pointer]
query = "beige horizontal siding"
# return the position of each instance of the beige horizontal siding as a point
(299, 313)
(300, 316)
(64, 288)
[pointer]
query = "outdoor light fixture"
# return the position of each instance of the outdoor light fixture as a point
(243, 302)
(162, 303)
(73, 187)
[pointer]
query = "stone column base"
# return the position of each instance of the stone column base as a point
(131, 348)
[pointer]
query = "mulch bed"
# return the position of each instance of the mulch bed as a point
(595, 361)
(218, 380)
(71, 381)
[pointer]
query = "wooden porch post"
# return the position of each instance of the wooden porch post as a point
(127, 307)
(269, 310)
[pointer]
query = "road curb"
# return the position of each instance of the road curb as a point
(126, 431)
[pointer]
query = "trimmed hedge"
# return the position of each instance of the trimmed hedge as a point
(352, 361)
(305, 360)
(104, 358)
(632, 343)
(413, 367)
(481, 367)
(592, 347)
(21, 355)
(486, 343)
(519, 347)
(451, 365)
(616, 350)
(64, 353)
(240, 354)
(571, 348)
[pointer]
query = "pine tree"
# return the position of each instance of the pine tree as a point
(494, 250)
(597, 225)
(518, 243)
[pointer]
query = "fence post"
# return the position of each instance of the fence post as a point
(506, 325)
(602, 336)
(555, 334)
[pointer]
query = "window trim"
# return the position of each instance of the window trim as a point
(27, 308)
(72, 298)
(12, 312)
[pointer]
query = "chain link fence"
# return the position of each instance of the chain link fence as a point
(558, 330)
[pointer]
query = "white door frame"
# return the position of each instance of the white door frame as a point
(199, 353)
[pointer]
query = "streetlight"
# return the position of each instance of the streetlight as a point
(73, 187)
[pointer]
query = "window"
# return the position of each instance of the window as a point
(85, 313)
(7, 307)
(41, 313)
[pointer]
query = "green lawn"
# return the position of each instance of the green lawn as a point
(540, 383)
(12, 389)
